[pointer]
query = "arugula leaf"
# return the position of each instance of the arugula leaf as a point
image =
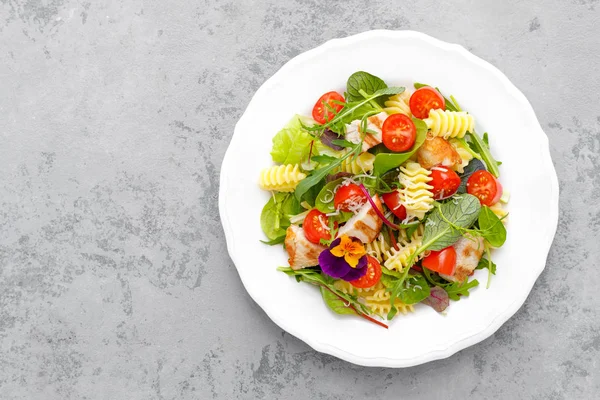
(334, 303)
(291, 145)
(473, 166)
(323, 159)
(457, 289)
(365, 82)
(319, 174)
(492, 228)
(343, 143)
(386, 161)
(480, 146)
(461, 211)
(277, 240)
(351, 107)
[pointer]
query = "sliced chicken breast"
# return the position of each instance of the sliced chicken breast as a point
(468, 253)
(366, 224)
(302, 252)
(438, 151)
(374, 124)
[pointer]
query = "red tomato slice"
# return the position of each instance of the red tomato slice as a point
(392, 201)
(371, 277)
(322, 111)
(445, 182)
(485, 187)
(398, 132)
(316, 226)
(424, 100)
(443, 261)
(349, 197)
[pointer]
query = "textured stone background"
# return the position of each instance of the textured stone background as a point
(114, 277)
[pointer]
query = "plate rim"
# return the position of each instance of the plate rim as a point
(458, 345)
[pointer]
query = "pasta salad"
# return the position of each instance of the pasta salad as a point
(384, 198)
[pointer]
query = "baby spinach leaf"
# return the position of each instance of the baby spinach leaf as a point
(386, 161)
(415, 289)
(274, 218)
(492, 228)
(324, 200)
(457, 289)
(473, 166)
(365, 82)
(334, 303)
(461, 211)
(291, 145)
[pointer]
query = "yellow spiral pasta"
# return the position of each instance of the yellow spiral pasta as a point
(398, 104)
(415, 195)
(362, 164)
(282, 178)
(378, 248)
(465, 155)
(347, 288)
(450, 124)
(398, 259)
(378, 300)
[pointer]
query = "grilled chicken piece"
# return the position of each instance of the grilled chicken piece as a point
(302, 252)
(468, 253)
(374, 124)
(366, 224)
(438, 151)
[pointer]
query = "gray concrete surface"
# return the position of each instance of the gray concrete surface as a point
(114, 277)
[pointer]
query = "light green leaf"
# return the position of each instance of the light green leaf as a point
(492, 228)
(291, 145)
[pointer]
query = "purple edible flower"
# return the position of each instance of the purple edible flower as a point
(344, 259)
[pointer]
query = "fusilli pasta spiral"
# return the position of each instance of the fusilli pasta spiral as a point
(282, 178)
(415, 195)
(398, 104)
(450, 124)
(465, 155)
(378, 300)
(362, 164)
(378, 248)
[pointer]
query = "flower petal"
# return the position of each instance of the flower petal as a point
(332, 265)
(351, 259)
(355, 273)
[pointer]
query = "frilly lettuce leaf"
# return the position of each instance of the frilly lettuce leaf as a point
(291, 145)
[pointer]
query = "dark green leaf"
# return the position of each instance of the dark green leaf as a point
(387, 161)
(492, 228)
(415, 289)
(365, 82)
(411, 228)
(274, 218)
(461, 211)
(334, 303)
(457, 289)
(484, 263)
(343, 143)
(323, 159)
(473, 166)
(324, 200)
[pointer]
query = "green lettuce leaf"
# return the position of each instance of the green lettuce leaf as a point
(291, 145)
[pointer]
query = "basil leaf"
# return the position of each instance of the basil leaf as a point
(457, 289)
(277, 240)
(461, 211)
(334, 303)
(492, 228)
(362, 81)
(317, 175)
(473, 166)
(386, 161)
(415, 289)
(481, 147)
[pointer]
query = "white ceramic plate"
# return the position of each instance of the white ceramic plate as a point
(516, 138)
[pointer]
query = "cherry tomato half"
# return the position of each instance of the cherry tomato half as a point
(445, 182)
(392, 201)
(322, 111)
(424, 100)
(398, 132)
(485, 187)
(349, 197)
(443, 261)
(371, 277)
(316, 226)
